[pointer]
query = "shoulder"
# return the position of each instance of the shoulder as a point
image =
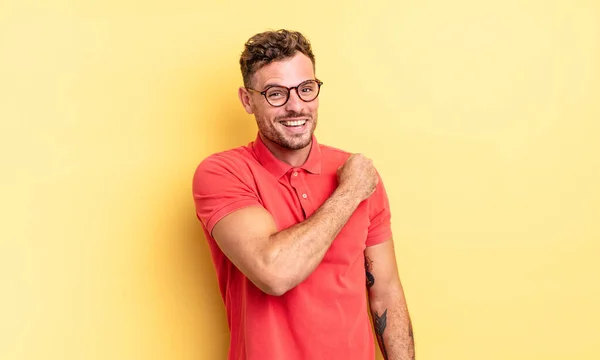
(334, 155)
(224, 164)
(225, 159)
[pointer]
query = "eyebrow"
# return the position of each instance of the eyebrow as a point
(270, 85)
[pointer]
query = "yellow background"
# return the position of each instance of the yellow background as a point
(483, 118)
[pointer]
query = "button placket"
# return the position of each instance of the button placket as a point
(304, 194)
(298, 183)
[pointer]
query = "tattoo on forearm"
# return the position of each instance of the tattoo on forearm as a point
(368, 268)
(380, 324)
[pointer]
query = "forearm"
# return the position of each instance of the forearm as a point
(294, 253)
(393, 327)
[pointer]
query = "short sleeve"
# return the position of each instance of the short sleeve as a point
(380, 228)
(221, 185)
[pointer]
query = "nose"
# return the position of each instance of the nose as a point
(294, 103)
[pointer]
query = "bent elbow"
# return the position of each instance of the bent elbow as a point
(275, 286)
(274, 290)
(274, 283)
(274, 279)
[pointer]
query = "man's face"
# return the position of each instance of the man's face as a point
(289, 126)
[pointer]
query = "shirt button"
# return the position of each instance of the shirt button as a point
(295, 173)
(304, 196)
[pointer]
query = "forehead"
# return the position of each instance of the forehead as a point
(288, 72)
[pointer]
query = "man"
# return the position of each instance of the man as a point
(299, 231)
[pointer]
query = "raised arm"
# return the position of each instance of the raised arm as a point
(393, 327)
(278, 261)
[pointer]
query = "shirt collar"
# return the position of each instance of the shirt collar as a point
(279, 168)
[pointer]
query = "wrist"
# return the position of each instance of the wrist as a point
(347, 195)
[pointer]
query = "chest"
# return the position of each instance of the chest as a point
(299, 194)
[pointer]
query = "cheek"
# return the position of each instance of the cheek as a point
(314, 106)
(265, 115)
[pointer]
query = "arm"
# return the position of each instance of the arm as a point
(278, 261)
(391, 319)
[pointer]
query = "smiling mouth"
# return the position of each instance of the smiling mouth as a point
(293, 123)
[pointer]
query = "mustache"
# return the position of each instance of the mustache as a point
(293, 115)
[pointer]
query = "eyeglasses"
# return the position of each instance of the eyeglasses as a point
(279, 95)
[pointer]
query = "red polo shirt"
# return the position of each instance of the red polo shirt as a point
(325, 316)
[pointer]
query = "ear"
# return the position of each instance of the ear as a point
(244, 96)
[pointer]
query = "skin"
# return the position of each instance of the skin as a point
(391, 319)
(277, 261)
(291, 146)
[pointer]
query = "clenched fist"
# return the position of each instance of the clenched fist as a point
(358, 176)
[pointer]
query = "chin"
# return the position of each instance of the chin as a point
(298, 143)
(297, 146)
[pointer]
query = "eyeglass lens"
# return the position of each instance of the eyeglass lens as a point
(307, 91)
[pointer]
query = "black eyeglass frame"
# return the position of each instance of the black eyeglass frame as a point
(289, 91)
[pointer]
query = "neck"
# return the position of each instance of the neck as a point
(294, 158)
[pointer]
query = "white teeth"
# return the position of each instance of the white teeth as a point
(294, 123)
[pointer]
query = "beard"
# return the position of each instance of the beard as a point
(273, 131)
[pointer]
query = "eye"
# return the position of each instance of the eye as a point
(308, 88)
(276, 94)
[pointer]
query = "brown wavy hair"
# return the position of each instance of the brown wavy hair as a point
(266, 47)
